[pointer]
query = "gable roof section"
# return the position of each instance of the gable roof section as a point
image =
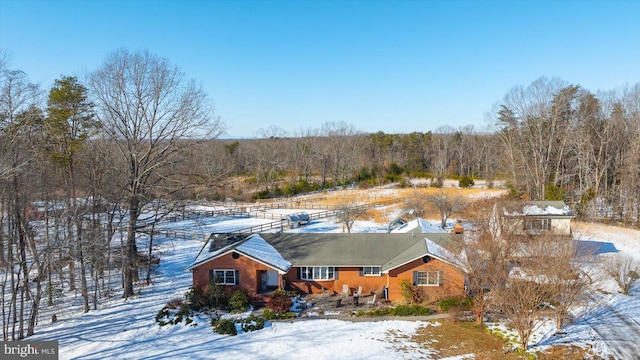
(257, 248)
(254, 247)
(415, 252)
(441, 246)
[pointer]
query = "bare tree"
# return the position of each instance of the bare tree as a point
(149, 109)
(624, 269)
(564, 266)
(519, 301)
(18, 113)
(348, 213)
(446, 205)
(416, 204)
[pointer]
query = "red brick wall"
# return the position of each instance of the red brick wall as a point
(249, 271)
(452, 285)
(249, 276)
(349, 276)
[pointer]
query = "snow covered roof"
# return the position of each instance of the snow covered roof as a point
(420, 225)
(256, 247)
(284, 250)
(253, 246)
(542, 208)
(437, 250)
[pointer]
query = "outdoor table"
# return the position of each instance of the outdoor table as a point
(355, 300)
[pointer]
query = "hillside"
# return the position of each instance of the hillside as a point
(126, 329)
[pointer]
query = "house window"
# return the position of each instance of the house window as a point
(223, 277)
(317, 273)
(537, 224)
(371, 270)
(427, 278)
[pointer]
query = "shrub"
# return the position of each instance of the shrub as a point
(239, 300)
(280, 302)
(465, 181)
(400, 310)
(195, 298)
(447, 303)
(215, 296)
(252, 323)
(437, 183)
(168, 317)
(224, 327)
(175, 303)
(411, 310)
(270, 315)
(411, 294)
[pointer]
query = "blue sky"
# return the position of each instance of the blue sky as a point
(392, 66)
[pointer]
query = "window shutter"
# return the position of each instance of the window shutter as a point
(237, 277)
(299, 273)
(361, 271)
(335, 273)
(441, 277)
(212, 277)
(415, 278)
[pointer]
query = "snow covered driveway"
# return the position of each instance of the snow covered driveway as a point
(618, 332)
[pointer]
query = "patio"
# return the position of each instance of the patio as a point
(337, 304)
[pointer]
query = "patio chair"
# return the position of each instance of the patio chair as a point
(372, 301)
(359, 292)
(345, 290)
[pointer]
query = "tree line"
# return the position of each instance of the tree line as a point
(81, 161)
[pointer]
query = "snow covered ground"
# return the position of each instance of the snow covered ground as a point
(126, 329)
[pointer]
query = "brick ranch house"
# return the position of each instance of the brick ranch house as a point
(314, 263)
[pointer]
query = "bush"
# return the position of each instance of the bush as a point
(239, 301)
(215, 296)
(465, 181)
(175, 304)
(400, 310)
(224, 327)
(280, 302)
(447, 303)
(252, 323)
(437, 183)
(411, 310)
(168, 316)
(195, 298)
(411, 294)
(270, 315)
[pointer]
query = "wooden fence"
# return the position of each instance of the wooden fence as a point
(274, 225)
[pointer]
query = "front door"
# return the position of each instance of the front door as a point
(264, 280)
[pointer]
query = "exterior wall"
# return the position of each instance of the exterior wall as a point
(453, 281)
(556, 226)
(248, 276)
(561, 226)
(452, 284)
(349, 276)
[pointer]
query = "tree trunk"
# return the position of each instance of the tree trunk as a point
(131, 271)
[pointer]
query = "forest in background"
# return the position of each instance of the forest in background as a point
(92, 154)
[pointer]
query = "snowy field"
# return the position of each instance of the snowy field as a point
(122, 329)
